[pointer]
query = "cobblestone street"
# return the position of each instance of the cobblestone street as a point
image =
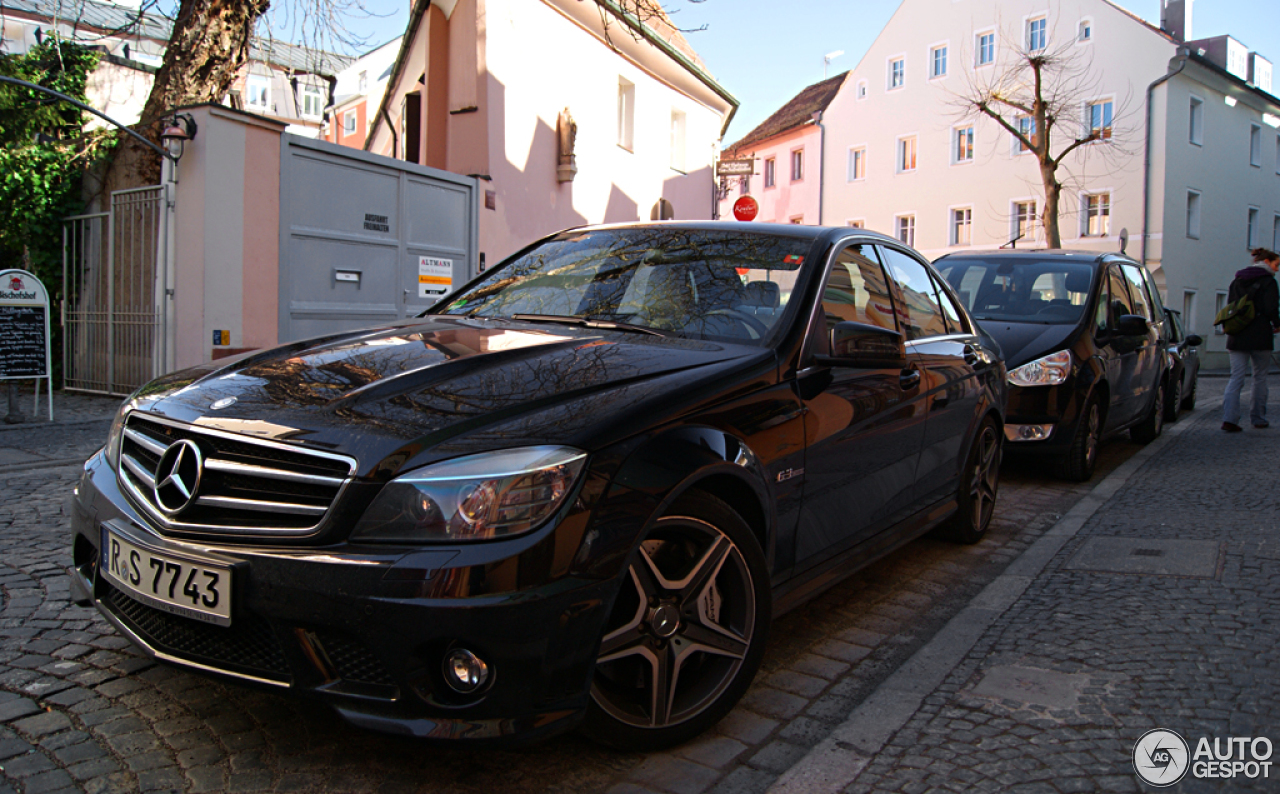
(82, 710)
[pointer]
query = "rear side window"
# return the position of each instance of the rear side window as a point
(1119, 301)
(955, 324)
(1138, 291)
(856, 290)
(919, 314)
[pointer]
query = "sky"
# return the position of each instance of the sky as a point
(764, 61)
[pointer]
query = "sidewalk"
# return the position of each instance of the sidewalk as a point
(1151, 604)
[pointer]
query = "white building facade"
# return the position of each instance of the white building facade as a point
(903, 157)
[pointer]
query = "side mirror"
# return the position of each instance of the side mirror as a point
(1194, 340)
(1132, 325)
(862, 345)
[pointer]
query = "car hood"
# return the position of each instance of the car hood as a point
(414, 385)
(1024, 342)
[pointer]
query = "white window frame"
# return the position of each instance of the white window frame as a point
(1015, 218)
(770, 172)
(1189, 311)
(1029, 35)
(1195, 120)
(315, 93)
(626, 114)
(1194, 214)
(679, 129)
(1252, 231)
(910, 228)
(960, 217)
(1018, 148)
(796, 158)
(1109, 130)
(861, 90)
(856, 166)
(1084, 213)
(259, 81)
(349, 121)
(1255, 145)
(1219, 301)
(900, 152)
(888, 76)
(956, 132)
(943, 47)
(978, 35)
(1084, 31)
(362, 82)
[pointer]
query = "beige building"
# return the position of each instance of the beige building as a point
(569, 111)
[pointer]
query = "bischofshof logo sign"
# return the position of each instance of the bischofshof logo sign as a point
(1160, 757)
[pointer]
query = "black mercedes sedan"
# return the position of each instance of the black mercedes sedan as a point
(576, 492)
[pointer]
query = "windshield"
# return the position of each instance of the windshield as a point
(1052, 292)
(726, 286)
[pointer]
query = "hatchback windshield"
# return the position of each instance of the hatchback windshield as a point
(730, 286)
(1053, 292)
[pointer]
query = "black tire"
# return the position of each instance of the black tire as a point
(690, 622)
(1081, 458)
(1189, 402)
(979, 486)
(1152, 424)
(1173, 401)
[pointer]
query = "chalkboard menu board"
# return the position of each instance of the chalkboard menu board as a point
(22, 342)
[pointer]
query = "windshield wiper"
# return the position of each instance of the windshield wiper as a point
(588, 322)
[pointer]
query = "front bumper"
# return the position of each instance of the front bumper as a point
(366, 628)
(1058, 407)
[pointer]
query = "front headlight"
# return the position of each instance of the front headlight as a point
(479, 497)
(115, 436)
(1048, 371)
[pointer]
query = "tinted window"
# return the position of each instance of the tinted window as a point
(919, 314)
(1138, 290)
(1051, 291)
(701, 284)
(1120, 302)
(856, 291)
(955, 325)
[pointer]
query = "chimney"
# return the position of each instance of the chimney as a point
(1175, 18)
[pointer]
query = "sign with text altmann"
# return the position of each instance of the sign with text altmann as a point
(741, 167)
(24, 331)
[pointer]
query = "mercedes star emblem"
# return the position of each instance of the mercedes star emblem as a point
(223, 403)
(178, 476)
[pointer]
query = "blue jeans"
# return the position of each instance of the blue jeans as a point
(1240, 359)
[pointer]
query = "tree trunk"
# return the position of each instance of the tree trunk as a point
(1052, 193)
(208, 47)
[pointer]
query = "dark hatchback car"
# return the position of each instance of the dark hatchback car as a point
(1083, 336)
(1184, 367)
(580, 488)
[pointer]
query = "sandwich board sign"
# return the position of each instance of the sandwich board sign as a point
(24, 331)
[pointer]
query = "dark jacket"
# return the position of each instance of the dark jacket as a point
(1266, 305)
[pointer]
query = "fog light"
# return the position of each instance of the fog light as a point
(464, 671)
(1027, 432)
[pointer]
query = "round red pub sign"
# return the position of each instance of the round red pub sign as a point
(746, 208)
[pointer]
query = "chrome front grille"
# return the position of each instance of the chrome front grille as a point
(245, 485)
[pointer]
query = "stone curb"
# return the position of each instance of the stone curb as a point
(836, 762)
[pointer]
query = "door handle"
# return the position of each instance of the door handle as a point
(970, 355)
(909, 379)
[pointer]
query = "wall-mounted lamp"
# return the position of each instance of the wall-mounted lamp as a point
(1230, 100)
(177, 131)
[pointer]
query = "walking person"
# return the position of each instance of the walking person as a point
(1254, 344)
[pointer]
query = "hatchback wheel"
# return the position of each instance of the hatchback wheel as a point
(979, 486)
(686, 632)
(1173, 402)
(1083, 454)
(1149, 428)
(1189, 402)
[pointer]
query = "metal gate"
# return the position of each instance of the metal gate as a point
(114, 283)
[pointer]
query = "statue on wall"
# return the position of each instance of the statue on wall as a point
(566, 134)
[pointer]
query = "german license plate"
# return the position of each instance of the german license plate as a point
(176, 585)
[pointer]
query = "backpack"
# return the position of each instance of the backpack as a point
(1238, 315)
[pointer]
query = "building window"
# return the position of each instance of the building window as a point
(1252, 234)
(797, 165)
(1195, 133)
(1085, 30)
(906, 154)
(259, 91)
(1277, 156)
(858, 224)
(1220, 301)
(349, 122)
(857, 164)
(1255, 145)
(1100, 119)
(1189, 310)
(986, 48)
(938, 61)
(677, 140)
(897, 73)
(1026, 126)
(962, 226)
(1024, 220)
(906, 226)
(963, 150)
(363, 82)
(1193, 214)
(312, 101)
(1037, 34)
(1097, 215)
(1275, 233)
(770, 172)
(626, 113)
(862, 89)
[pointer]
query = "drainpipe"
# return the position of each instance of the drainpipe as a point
(822, 159)
(1183, 54)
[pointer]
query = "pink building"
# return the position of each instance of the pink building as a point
(787, 149)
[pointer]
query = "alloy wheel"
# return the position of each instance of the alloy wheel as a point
(1093, 435)
(985, 484)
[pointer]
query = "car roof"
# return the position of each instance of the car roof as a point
(1040, 255)
(795, 230)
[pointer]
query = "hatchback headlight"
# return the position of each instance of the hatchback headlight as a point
(479, 497)
(1048, 371)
